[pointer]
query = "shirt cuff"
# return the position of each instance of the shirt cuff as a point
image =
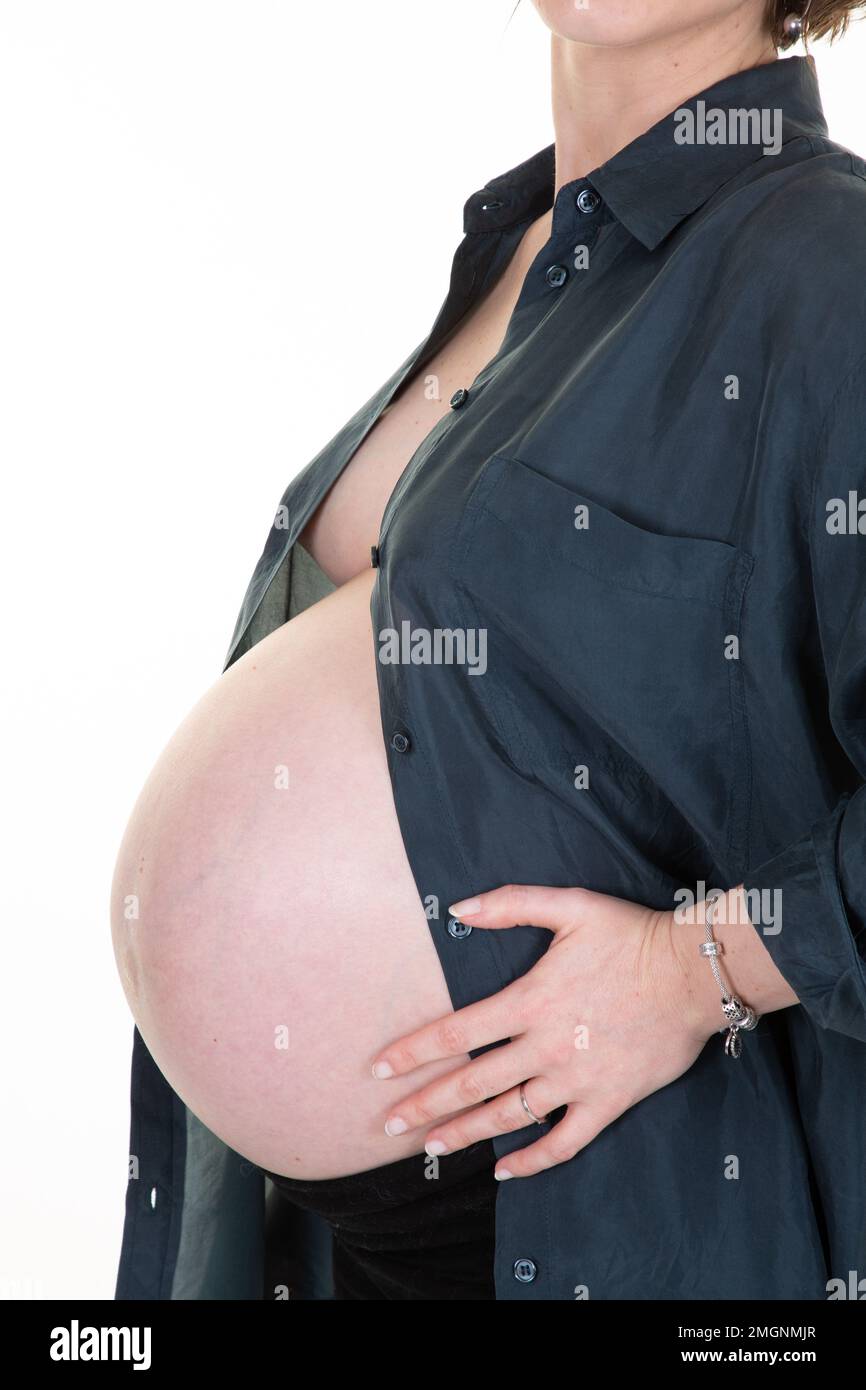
(815, 926)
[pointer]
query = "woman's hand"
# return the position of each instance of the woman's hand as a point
(620, 1005)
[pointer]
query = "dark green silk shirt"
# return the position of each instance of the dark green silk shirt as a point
(652, 503)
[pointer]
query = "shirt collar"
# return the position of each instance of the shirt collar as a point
(655, 182)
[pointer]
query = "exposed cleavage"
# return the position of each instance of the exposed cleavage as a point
(346, 523)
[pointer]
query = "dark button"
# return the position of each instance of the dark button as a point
(491, 206)
(400, 743)
(587, 200)
(374, 556)
(458, 929)
(525, 1270)
(460, 397)
(556, 275)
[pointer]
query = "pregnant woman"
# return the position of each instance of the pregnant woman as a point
(500, 911)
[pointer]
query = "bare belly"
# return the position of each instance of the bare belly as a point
(279, 940)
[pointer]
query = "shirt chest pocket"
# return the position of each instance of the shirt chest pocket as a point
(608, 643)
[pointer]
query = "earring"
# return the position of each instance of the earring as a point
(793, 25)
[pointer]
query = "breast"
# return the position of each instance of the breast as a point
(267, 928)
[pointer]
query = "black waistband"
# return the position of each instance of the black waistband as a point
(419, 1228)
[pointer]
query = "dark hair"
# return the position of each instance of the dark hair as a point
(824, 18)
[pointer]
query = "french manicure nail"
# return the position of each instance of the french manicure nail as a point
(466, 907)
(381, 1070)
(501, 1174)
(435, 1148)
(395, 1126)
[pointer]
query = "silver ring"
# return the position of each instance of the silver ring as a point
(525, 1103)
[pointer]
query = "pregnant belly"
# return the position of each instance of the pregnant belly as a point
(267, 928)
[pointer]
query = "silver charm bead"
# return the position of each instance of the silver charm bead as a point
(733, 1010)
(733, 1044)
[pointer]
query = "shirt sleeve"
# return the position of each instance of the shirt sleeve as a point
(821, 946)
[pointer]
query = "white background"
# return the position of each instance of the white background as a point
(223, 226)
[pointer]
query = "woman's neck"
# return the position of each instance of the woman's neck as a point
(605, 97)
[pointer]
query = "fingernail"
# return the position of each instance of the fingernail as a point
(381, 1070)
(435, 1148)
(395, 1126)
(465, 907)
(500, 1174)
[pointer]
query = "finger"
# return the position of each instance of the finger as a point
(502, 1115)
(579, 1126)
(488, 1021)
(524, 904)
(478, 1081)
